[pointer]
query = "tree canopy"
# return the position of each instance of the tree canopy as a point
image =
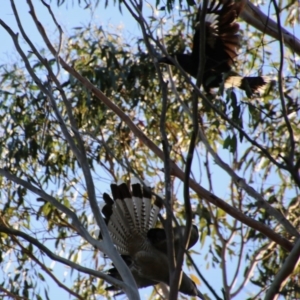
(86, 109)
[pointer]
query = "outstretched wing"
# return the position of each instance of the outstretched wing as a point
(222, 39)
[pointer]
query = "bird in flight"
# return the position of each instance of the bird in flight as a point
(131, 220)
(221, 44)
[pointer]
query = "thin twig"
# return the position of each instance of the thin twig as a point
(166, 151)
(7, 293)
(252, 15)
(289, 265)
(60, 33)
(46, 270)
(256, 257)
(190, 154)
(290, 159)
(175, 170)
(60, 259)
(211, 289)
(240, 257)
(251, 191)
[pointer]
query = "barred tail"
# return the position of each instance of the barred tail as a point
(251, 85)
(129, 215)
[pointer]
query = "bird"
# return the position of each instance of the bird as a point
(131, 219)
(221, 43)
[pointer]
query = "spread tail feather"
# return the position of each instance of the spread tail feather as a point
(130, 219)
(129, 215)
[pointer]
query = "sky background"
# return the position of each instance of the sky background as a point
(70, 16)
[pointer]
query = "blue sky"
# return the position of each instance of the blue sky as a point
(67, 16)
(70, 17)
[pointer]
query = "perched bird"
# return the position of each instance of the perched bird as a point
(221, 44)
(130, 219)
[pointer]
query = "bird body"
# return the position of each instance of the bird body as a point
(130, 218)
(221, 44)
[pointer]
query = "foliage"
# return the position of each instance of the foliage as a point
(257, 138)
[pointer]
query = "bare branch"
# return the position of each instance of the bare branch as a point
(190, 154)
(290, 264)
(7, 293)
(60, 259)
(174, 285)
(290, 159)
(256, 257)
(45, 269)
(78, 151)
(255, 17)
(80, 155)
(59, 30)
(251, 191)
(175, 170)
(202, 193)
(211, 288)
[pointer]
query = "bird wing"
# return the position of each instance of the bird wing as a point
(129, 217)
(158, 238)
(222, 39)
(140, 280)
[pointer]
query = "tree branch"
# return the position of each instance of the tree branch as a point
(175, 170)
(257, 255)
(80, 154)
(60, 259)
(173, 264)
(9, 294)
(290, 159)
(290, 264)
(45, 269)
(211, 289)
(250, 190)
(255, 17)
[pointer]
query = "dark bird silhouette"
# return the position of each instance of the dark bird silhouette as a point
(221, 44)
(130, 220)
